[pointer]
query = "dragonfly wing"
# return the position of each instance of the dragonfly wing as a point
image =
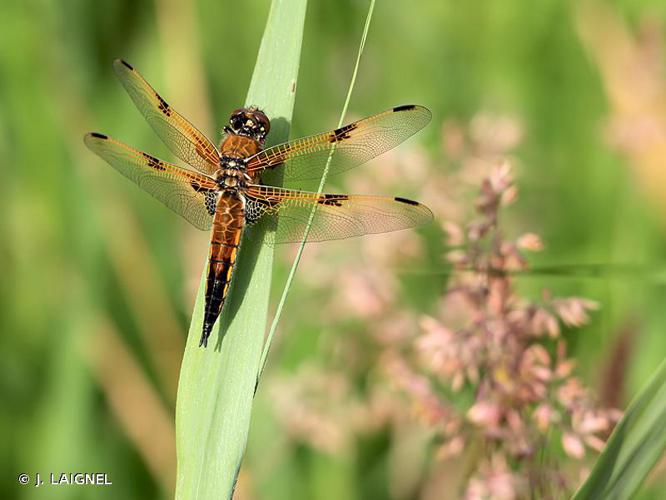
(337, 216)
(187, 193)
(353, 144)
(178, 134)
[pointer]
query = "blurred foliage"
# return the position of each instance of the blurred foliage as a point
(99, 280)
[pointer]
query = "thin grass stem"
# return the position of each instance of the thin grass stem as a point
(322, 182)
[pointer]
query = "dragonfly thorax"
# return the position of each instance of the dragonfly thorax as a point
(232, 173)
(228, 162)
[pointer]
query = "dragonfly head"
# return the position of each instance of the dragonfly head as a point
(250, 122)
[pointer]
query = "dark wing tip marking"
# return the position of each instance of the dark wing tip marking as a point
(404, 107)
(98, 135)
(406, 201)
(125, 63)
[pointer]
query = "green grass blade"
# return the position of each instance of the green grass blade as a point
(322, 181)
(217, 384)
(636, 444)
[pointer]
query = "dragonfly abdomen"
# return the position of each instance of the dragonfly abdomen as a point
(225, 240)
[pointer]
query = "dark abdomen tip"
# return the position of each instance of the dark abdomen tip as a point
(207, 328)
(404, 107)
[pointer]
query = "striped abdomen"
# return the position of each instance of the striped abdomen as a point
(225, 239)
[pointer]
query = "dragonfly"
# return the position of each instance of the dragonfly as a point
(222, 190)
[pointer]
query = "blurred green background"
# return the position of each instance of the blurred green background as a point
(99, 280)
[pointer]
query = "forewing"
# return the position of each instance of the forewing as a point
(352, 144)
(187, 193)
(337, 216)
(179, 135)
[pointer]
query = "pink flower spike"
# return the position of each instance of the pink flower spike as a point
(544, 322)
(454, 234)
(451, 448)
(552, 327)
(592, 423)
(500, 178)
(484, 414)
(573, 310)
(457, 382)
(515, 422)
(530, 242)
(509, 196)
(456, 257)
(565, 368)
(544, 415)
(595, 442)
(572, 445)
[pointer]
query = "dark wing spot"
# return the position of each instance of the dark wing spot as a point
(267, 202)
(332, 200)
(254, 214)
(154, 162)
(210, 198)
(404, 107)
(98, 136)
(406, 201)
(163, 106)
(126, 64)
(342, 133)
(210, 201)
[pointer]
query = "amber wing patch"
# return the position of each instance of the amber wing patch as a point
(337, 216)
(177, 133)
(343, 148)
(185, 192)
